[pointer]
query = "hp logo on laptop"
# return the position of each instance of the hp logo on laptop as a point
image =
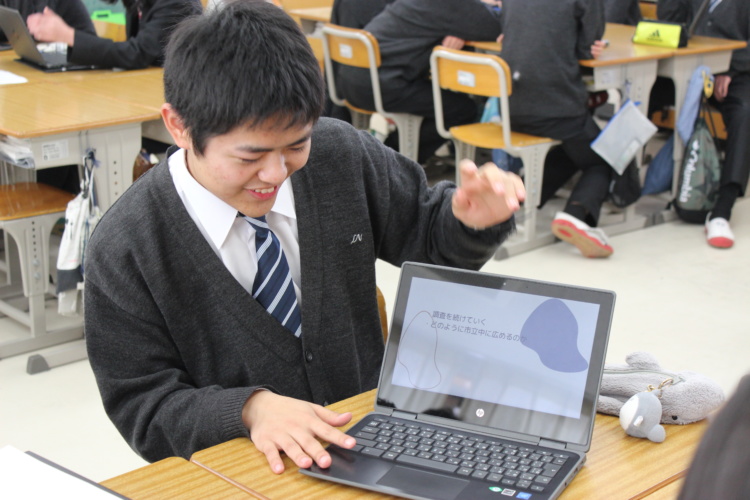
(480, 413)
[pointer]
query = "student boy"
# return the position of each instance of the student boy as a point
(724, 19)
(184, 355)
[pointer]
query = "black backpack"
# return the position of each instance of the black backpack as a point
(700, 173)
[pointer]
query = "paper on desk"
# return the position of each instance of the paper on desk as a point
(7, 78)
(16, 151)
(23, 476)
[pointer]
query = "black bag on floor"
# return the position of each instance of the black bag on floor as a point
(625, 189)
(700, 174)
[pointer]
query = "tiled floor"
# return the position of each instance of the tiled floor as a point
(676, 298)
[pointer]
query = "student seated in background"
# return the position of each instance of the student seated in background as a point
(73, 12)
(184, 356)
(542, 42)
(724, 19)
(407, 31)
(622, 11)
(353, 14)
(148, 25)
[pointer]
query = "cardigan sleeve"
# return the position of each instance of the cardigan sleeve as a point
(410, 219)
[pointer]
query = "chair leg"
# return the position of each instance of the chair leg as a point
(533, 167)
(408, 133)
(360, 121)
(32, 238)
(463, 151)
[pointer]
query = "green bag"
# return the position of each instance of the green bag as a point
(700, 173)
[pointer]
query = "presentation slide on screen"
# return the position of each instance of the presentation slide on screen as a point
(515, 349)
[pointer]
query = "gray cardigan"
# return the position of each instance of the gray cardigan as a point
(542, 43)
(177, 345)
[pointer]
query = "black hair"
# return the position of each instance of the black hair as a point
(720, 465)
(241, 64)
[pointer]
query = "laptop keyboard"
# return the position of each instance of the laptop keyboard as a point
(461, 453)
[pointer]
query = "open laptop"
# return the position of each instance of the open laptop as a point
(488, 389)
(25, 46)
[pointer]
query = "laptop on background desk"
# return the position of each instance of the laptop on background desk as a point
(26, 48)
(487, 390)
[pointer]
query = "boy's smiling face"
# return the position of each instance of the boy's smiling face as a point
(246, 166)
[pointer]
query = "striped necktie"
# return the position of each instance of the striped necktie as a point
(273, 287)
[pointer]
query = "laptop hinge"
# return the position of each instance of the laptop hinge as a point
(403, 414)
(552, 444)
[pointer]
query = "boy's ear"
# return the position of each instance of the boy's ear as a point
(176, 127)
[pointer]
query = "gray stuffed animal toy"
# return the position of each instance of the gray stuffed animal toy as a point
(688, 397)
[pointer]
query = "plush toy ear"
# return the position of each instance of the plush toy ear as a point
(657, 434)
(642, 359)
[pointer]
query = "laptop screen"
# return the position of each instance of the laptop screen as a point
(521, 357)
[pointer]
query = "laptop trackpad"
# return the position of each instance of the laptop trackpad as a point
(424, 484)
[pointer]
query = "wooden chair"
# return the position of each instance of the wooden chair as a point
(28, 212)
(383, 314)
(358, 48)
(648, 10)
(488, 75)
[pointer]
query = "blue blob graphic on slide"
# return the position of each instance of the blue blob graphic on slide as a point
(552, 332)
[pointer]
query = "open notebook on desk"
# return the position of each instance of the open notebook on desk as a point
(26, 47)
(488, 387)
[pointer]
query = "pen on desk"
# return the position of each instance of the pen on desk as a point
(606, 43)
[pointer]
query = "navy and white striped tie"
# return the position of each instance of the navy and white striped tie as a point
(273, 286)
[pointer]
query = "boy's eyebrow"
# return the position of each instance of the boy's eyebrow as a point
(253, 149)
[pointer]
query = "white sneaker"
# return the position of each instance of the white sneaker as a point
(718, 233)
(590, 241)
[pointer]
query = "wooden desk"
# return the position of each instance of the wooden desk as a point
(62, 114)
(618, 466)
(173, 478)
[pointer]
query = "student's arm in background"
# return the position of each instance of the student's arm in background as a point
(74, 13)
(144, 49)
(591, 23)
(478, 21)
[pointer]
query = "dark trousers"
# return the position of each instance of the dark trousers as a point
(735, 110)
(573, 155)
(400, 96)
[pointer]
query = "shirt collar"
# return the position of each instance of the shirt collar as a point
(215, 215)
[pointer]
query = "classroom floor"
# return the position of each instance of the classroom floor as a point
(677, 298)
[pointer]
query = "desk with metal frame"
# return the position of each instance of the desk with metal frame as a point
(61, 115)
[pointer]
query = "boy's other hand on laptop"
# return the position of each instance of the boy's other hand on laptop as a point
(49, 27)
(487, 196)
(278, 423)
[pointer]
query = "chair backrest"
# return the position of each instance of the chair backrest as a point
(351, 47)
(383, 313)
(473, 73)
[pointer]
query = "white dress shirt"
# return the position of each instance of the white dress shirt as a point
(233, 238)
